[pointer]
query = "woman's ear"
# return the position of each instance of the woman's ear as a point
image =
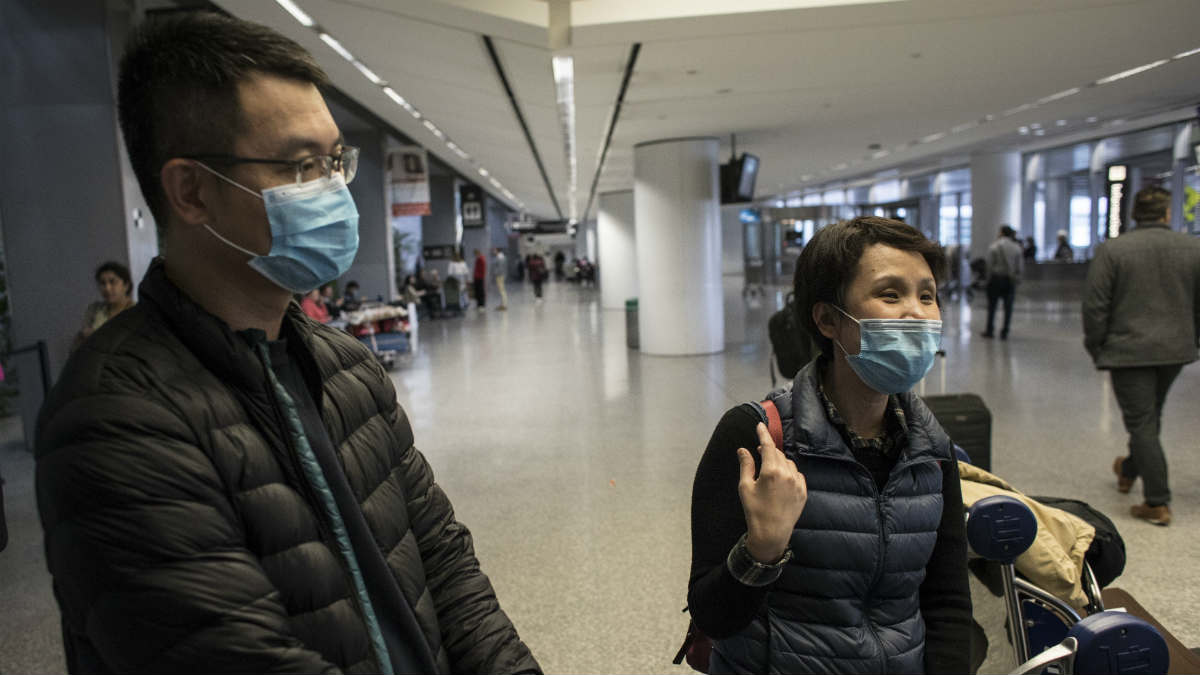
(823, 317)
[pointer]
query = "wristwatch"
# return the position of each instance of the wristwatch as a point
(751, 572)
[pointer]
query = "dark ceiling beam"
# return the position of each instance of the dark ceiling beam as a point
(612, 124)
(512, 99)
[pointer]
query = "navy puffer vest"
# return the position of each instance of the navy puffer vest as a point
(848, 602)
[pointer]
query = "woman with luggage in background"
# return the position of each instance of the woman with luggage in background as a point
(845, 549)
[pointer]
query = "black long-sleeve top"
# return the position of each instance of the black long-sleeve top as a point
(722, 606)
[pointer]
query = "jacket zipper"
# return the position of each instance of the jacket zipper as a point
(327, 535)
(880, 556)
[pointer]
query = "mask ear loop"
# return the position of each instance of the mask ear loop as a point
(847, 315)
(233, 182)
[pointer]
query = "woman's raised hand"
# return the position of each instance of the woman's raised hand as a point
(773, 501)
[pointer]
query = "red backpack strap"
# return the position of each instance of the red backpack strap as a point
(774, 423)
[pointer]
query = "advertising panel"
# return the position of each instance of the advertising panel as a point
(408, 168)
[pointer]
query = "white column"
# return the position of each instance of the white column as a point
(995, 197)
(618, 255)
(678, 230)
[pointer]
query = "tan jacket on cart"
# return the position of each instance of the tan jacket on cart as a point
(1054, 562)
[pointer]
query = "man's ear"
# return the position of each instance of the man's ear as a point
(182, 181)
(823, 317)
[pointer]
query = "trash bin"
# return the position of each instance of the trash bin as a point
(631, 323)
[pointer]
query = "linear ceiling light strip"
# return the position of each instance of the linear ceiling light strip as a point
(512, 99)
(1024, 107)
(308, 22)
(612, 124)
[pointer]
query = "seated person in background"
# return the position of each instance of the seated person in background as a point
(351, 300)
(332, 305)
(314, 307)
(433, 292)
(1064, 253)
(844, 550)
(116, 296)
(409, 292)
(1029, 250)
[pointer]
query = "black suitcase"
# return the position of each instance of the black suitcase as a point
(968, 422)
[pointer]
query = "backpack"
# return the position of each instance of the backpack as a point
(1106, 555)
(791, 344)
(697, 647)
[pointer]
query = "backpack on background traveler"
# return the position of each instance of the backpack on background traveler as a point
(697, 647)
(791, 345)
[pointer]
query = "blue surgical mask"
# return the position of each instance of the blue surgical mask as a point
(314, 232)
(893, 354)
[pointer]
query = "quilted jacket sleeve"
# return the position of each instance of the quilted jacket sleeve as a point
(148, 556)
(476, 633)
(1097, 302)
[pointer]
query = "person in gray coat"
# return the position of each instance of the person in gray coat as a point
(1141, 321)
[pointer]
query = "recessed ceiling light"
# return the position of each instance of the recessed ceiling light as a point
(1039, 132)
(1092, 120)
(1023, 130)
(915, 55)
(691, 71)
(725, 90)
(336, 46)
(1131, 72)
(1184, 55)
(296, 12)
(874, 146)
(1061, 123)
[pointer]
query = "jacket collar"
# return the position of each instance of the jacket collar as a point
(224, 352)
(814, 434)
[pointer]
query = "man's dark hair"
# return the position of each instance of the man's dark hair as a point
(828, 263)
(352, 286)
(177, 89)
(1150, 204)
(1007, 231)
(118, 269)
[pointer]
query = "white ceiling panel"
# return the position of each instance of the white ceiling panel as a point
(806, 88)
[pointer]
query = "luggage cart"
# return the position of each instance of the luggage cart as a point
(1001, 528)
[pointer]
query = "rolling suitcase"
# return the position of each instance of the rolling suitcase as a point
(968, 422)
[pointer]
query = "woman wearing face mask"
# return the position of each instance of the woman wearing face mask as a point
(116, 296)
(844, 550)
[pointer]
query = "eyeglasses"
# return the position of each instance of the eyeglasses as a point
(307, 169)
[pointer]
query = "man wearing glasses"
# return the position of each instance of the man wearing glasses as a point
(226, 486)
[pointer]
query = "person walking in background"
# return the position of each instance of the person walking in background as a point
(560, 261)
(1141, 322)
(480, 279)
(537, 275)
(1005, 265)
(501, 269)
(1064, 253)
(116, 296)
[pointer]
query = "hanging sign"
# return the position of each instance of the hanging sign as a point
(1116, 199)
(470, 199)
(409, 171)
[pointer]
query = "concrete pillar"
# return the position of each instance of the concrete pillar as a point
(67, 194)
(442, 226)
(678, 230)
(618, 252)
(374, 266)
(995, 197)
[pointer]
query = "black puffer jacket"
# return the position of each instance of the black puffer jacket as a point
(181, 533)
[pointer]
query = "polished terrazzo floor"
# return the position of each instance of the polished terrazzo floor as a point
(571, 459)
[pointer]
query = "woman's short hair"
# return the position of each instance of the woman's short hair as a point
(828, 263)
(118, 269)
